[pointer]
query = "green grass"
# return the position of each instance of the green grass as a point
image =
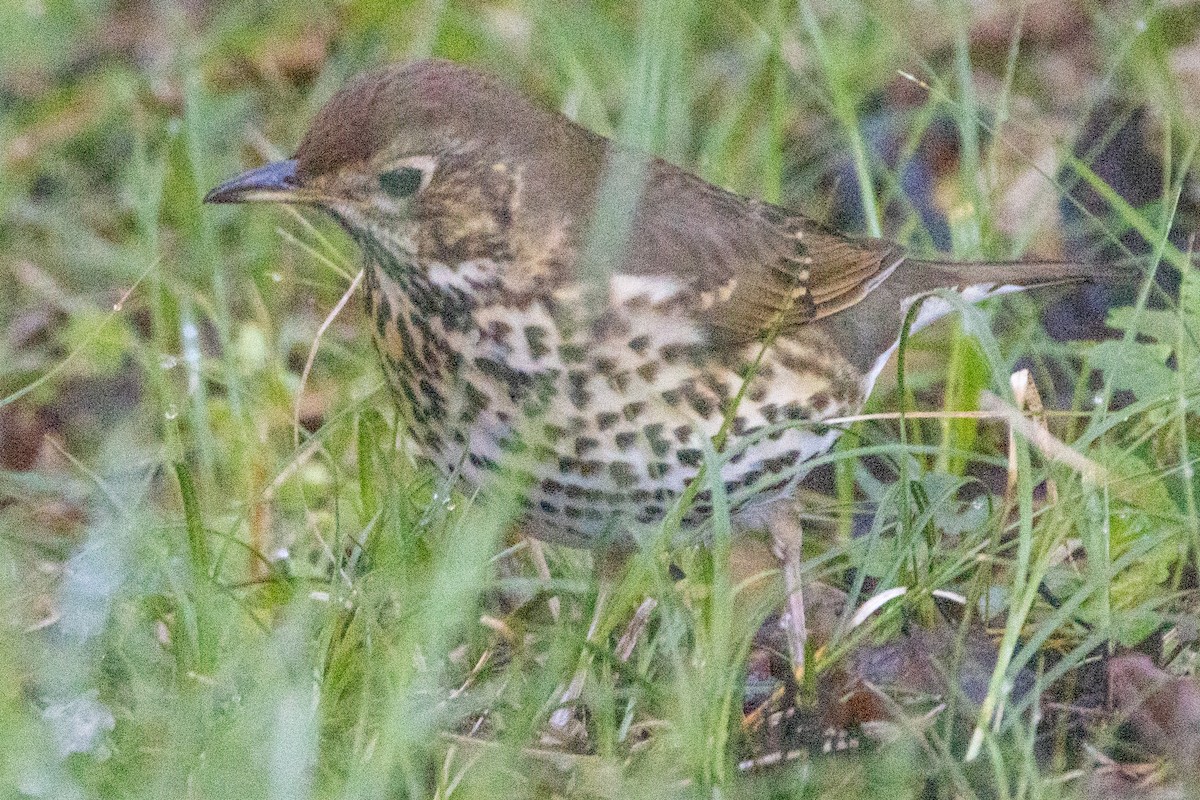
(236, 606)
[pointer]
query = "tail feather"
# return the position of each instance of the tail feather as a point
(889, 299)
(980, 280)
(932, 274)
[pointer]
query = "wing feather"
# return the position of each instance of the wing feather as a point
(784, 268)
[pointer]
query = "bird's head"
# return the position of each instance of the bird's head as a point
(431, 142)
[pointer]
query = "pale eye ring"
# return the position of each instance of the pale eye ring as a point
(402, 182)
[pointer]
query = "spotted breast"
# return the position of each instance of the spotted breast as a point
(605, 420)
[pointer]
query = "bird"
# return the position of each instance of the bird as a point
(603, 370)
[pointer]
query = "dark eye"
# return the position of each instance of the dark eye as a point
(401, 182)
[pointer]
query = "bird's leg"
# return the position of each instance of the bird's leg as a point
(538, 554)
(787, 535)
(610, 564)
(561, 718)
(635, 628)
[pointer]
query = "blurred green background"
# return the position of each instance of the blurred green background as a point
(221, 581)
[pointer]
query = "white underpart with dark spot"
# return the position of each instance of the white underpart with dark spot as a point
(466, 276)
(621, 433)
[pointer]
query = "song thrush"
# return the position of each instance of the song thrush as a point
(598, 381)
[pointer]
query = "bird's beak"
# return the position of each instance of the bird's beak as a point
(272, 183)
